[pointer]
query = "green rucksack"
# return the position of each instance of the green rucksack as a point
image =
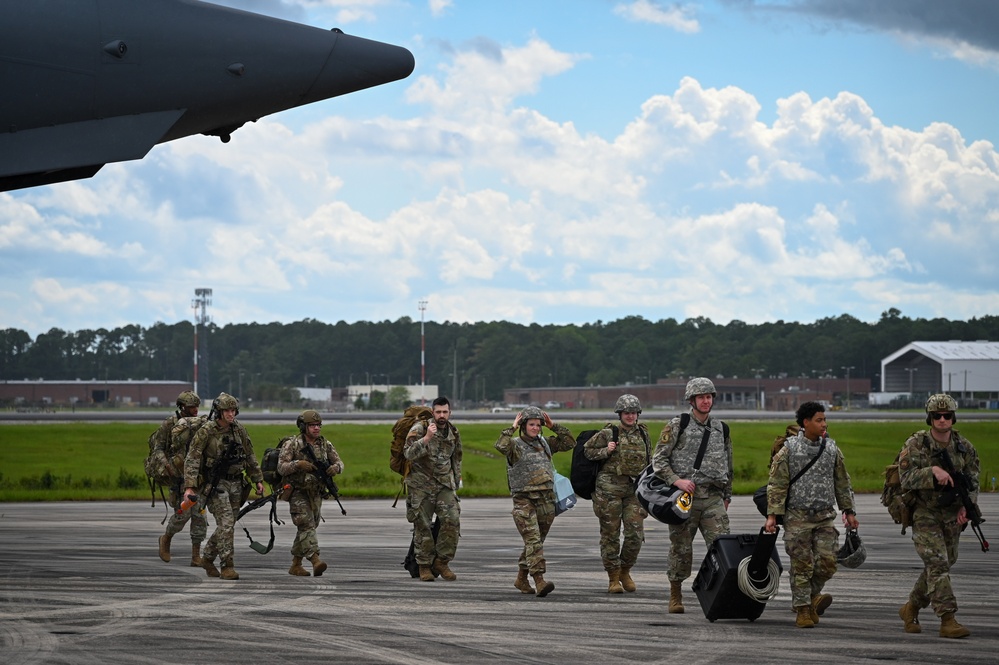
(899, 503)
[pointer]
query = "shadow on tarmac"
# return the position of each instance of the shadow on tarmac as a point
(82, 583)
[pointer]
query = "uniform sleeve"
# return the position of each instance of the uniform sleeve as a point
(457, 458)
(777, 483)
(596, 448)
(333, 457)
(843, 488)
(915, 466)
(563, 439)
(504, 445)
(287, 460)
(971, 470)
(661, 457)
(252, 463)
(192, 464)
(415, 446)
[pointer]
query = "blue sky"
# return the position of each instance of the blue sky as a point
(562, 162)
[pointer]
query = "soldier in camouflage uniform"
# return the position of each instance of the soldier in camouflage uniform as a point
(939, 517)
(170, 457)
(614, 500)
(221, 449)
(306, 500)
(434, 453)
(532, 485)
(810, 537)
(710, 484)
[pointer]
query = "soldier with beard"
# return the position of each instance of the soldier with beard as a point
(434, 453)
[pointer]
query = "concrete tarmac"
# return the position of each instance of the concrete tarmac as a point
(81, 583)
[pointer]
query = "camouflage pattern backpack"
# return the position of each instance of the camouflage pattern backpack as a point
(397, 459)
(899, 504)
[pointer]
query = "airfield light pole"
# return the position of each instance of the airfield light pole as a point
(848, 385)
(202, 299)
(423, 356)
(758, 372)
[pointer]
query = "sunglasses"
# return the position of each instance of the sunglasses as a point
(945, 416)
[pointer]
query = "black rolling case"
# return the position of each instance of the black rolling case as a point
(717, 581)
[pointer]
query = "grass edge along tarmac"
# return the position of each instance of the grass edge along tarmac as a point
(103, 461)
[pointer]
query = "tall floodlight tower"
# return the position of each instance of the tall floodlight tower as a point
(423, 356)
(202, 299)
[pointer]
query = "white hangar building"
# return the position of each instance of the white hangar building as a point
(959, 368)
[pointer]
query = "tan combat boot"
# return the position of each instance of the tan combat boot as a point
(228, 572)
(675, 598)
(614, 581)
(426, 575)
(544, 588)
(195, 555)
(522, 582)
(909, 613)
(296, 567)
(208, 563)
(318, 565)
(949, 627)
(165, 546)
(440, 567)
(627, 583)
(820, 603)
(804, 619)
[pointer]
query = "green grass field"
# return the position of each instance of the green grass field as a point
(85, 461)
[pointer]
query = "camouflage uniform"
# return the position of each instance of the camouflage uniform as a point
(674, 459)
(935, 531)
(174, 452)
(306, 500)
(209, 445)
(810, 537)
(614, 500)
(431, 486)
(532, 485)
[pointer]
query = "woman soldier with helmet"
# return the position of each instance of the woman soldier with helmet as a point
(624, 451)
(532, 484)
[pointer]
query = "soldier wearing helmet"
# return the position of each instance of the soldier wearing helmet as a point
(305, 502)
(170, 460)
(625, 451)
(938, 518)
(221, 452)
(530, 475)
(433, 450)
(706, 475)
(808, 478)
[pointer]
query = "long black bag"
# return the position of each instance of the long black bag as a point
(410, 563)
(717, 581)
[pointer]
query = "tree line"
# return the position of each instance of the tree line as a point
(472, 362)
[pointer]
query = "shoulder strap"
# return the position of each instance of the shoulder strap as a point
(704, 446)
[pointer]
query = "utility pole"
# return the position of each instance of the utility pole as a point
(423, 356)
(202, 299)
(848, 385)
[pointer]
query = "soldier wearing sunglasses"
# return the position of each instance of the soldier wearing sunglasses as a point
(939, 517)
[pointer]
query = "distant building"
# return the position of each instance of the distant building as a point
(415, 393)
(963, 369)
(93, 392)
(766, 393)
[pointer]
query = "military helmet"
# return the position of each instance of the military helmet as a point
(308, 417)
(225, 401)
(852, 553)
(531, 412)
(628, 404)
(699, 386)
(187, 398)
(665, 502)
(940, 403)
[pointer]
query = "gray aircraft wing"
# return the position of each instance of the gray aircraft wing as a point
(87, 82)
